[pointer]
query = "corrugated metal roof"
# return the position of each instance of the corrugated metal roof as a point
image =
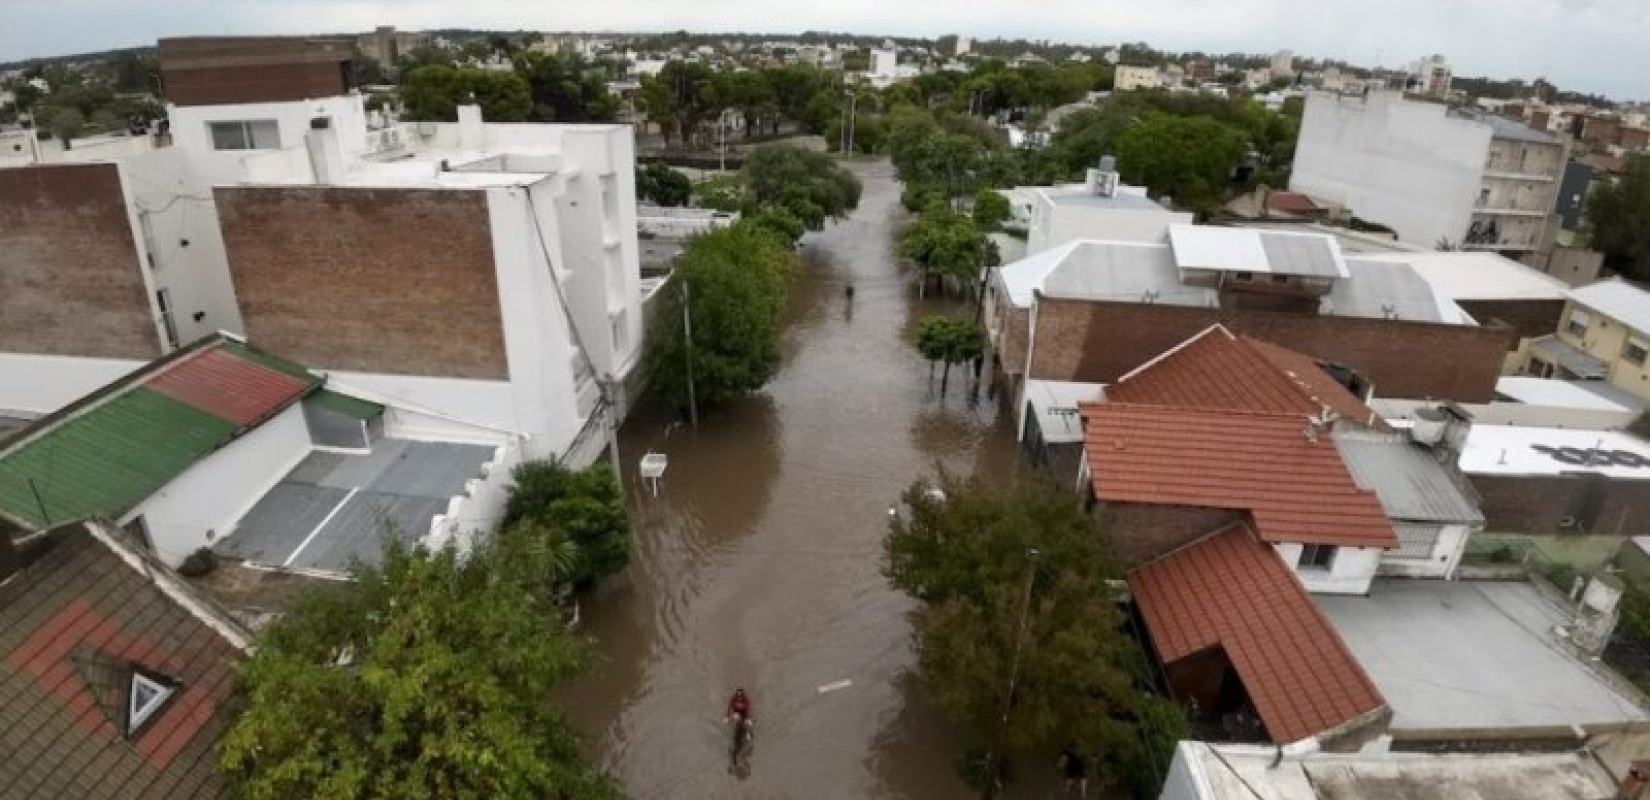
(1251, 250)
(346, 405)
(1391, 290)
(1576, 361)
(1477, 275)
(1407, 479)
(1618, 299)
(1124, 272)
(105, 453)
(1233, 592)
(105, 461)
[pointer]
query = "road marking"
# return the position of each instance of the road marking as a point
(832, 687)
(312, 534)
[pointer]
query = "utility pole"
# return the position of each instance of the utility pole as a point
(722, 142)
(612, 429)
(992, 758)
(687, 339)
(853, 114)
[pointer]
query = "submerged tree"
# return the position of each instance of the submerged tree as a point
(575, 518)
(948, 339)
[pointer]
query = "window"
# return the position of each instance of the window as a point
(1576, 325)
(1483, 197)
(1414, 540)
(1634, 352)
(620, 328)
(163, 300)
(1317, 556)
(146, 696)
(246, 134)
(1280, 278)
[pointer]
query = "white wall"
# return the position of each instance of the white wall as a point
(1440, 563)
(43, 384)
(175, 222)
(190, 131)
(1351, 572)
(1054, 224)
(204, 503)
(1185, 780)
(1400, 163)
(481, 506)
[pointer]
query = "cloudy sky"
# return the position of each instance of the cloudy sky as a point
(1590, 45)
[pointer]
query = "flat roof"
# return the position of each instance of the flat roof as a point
(1477, 275)
(1350, 241)
(334, 507)
(1473, 655)
(1125, 198)
(1513, 450)
(1592, 395)
(1391, 290)
(1251, 250)
(1055, 404)
(1247, 772)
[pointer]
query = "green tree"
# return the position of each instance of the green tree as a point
(586, 505)
(966, 553)
(949, 340)
(1190, 159)
(737, 280)
(435, 92)
(945, 243)
(991, 209)
(65, 123)
(660, 184)
(778, 222)
(1619, 216)
(809, 185)
(427, 676)
(566, 89)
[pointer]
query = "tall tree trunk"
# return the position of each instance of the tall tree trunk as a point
(945, 377)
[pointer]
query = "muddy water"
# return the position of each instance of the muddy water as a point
(758, 563)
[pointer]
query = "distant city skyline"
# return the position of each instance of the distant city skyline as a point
(1583, 45)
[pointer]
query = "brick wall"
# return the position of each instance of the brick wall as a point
(1527, 318)
(203, 71)
(1011, 347)
(1081, 340)
(1141, 532)
(396, 281)
(71, 283)
(1536, 504)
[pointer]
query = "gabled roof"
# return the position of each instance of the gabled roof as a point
(1232, 591)
(1271, 252)
(77, 624)
(106, 453)
(1618, 299)
(1217, 370)
(1296, 489)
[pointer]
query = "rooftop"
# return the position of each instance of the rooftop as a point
(1594, 395)
(1055, 404)
(1245, 772)
(1406, 478)
(1232, 591)
(1263, 251)
(1503, 128)
(79, 624)
(1477, 275)
(334, 508)
(1350, 241)
(1217, 370)
(1474, 655)
(1618, 299)
(1391, 290)
(1527, 451)
(1126, 197)
(1571, 359)
(101, 456)
(1296, 488)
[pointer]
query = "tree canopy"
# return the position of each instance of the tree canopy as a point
(427, 676)
(434, 92)
(549, 503)
(737, 282)
(1619, 216)
(965, 553)
(949, 340)
(1187, 158)
(658, 183)
(945, 243)
(566, 88)
(810, 186)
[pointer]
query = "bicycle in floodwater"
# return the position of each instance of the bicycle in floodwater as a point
(739, 750)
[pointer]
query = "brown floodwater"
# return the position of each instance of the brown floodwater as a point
(758, 564)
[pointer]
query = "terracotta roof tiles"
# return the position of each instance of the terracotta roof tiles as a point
(1232, 591)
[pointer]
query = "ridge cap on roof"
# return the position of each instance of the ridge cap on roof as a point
(1169, 353)
(1202, 410)
(1224, 529)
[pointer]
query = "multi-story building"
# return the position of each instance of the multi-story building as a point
(1604, 334)
(386, 45)
(1478, 182)
(1127, 78)
(1430, 77)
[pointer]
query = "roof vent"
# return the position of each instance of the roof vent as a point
(1102, 181)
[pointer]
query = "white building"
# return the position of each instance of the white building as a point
(1476, 182)
(1430, 77)
(884, 67)
(1283, 64)
(1127, 78)
(1102, 207)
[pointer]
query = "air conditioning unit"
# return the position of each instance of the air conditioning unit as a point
(1568, 523)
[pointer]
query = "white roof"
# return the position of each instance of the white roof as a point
(1547, 392)
(1517, 450)
(1470, 275)
(1022, 276)
(1055, 404)
(1251, 250)
(1088, 269)
(1617, 299)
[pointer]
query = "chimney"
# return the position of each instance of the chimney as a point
(472, 132)
(326, 152)
(1633, 784)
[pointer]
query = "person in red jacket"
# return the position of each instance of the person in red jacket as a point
(739, 705)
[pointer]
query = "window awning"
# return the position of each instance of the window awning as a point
(346, 405)
(1569, 358)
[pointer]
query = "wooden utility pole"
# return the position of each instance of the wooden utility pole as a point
(687, 334)
(995, 756)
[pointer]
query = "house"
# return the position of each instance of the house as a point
(487, 273)
(117, 676)
(1481, 182)
(1090, 311)
(1129, 78)
(1604, 335)
(224, 446)
(1101, 207)
(1210, 771)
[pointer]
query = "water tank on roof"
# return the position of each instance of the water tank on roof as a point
(1430, 422)
(1601, 596)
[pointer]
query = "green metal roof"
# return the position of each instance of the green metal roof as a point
(105, 461)
(261, 358)
(346, 405)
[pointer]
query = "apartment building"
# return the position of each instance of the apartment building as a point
(1436, 177)
(1604, 334)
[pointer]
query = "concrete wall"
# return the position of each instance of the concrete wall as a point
(204, 503)
(1186, 780)
(43, 384)
(1605, 339)
(191, 131)
(1054, 224)
(1400, 163)
(1351, 571)
(1141, 532)
(1526, 318)
(71, 281)
(1538, 504)
(1097, 342)
(1576, 266)
(177, 224)
(481, 507)
(1440, 563)
(392, 281)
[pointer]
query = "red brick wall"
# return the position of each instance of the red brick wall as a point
(1527, 318)
(1080, 340)
(1142, 532)
(71, 283)
(397, 281)
(200, 71)
(1011, 346)
(1535, 505)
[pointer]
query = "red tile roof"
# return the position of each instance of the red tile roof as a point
(1296, 490)
(1290, 202)
(1232, 591)
(228, 386)
(1216, 370)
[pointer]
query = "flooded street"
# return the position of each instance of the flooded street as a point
(758, 563)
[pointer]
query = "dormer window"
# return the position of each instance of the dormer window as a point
(149, 693)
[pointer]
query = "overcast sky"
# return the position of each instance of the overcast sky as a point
(1590, 45)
